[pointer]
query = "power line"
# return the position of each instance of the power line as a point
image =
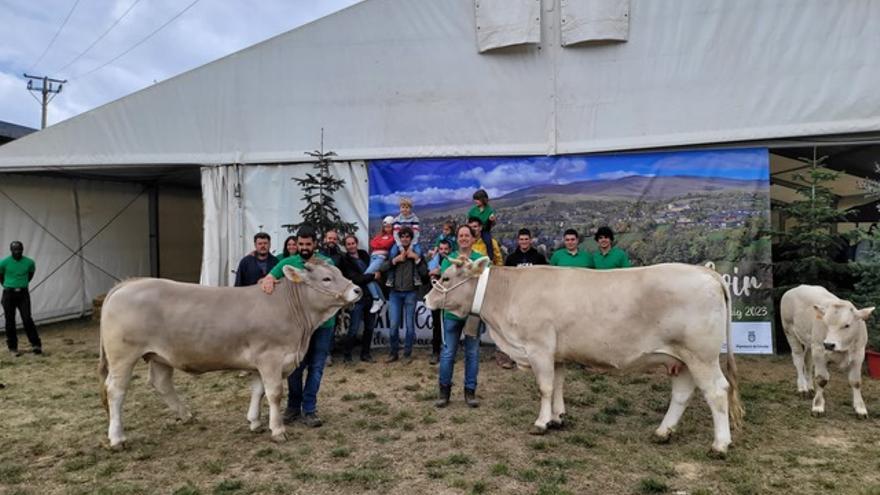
(40, 58)
(139, 43)
(99, 38)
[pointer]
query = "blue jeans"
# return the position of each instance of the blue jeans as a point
(306, 398)
(451, 335)
(402, 306)
(376, 261)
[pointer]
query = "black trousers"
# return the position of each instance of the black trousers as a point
(437, 338)
(19, 299)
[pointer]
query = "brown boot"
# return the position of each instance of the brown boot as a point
(470, 398)
(443, 396)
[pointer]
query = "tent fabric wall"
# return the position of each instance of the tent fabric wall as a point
(240, 201)
(403, 79)
(83, 236)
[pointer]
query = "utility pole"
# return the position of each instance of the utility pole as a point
(47, 88)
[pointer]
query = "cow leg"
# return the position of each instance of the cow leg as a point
(558, 407)
(711, 381)
(543, 366)
(257, 391)
(855, 382)
(803, 380)
(274, 390)
(160, 378)
(682, 389)
(116, 384)
(820, 380)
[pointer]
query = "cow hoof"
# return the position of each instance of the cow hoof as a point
(537, 430)
(717, 454)
(118, 446)
(256, 426)
(662, 438)
(862, 415)
(555, 424)
(805, 394)
(817, 413)
(279, 437)
(186, 418)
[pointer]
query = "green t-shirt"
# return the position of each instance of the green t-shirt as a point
(16, 272)
(614, 258)
(483, 215)
(581, 259)
(296, 261)
(446, 264)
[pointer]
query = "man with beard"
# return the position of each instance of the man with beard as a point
(16, 272)
(302, 399)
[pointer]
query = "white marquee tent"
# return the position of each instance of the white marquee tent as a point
(422, 78)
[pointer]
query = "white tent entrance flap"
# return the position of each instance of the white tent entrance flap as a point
(503, 23)
(83, 235)
(241, 200)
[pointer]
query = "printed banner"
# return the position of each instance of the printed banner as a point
(697, 207)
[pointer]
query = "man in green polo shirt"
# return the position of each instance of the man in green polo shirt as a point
(16, 272)
(571, 254)
(302, 400)
(608, 256)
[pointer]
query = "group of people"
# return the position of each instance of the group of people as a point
(396, 272)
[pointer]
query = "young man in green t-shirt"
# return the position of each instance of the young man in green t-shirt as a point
(302, 399)
(608, 256)
(16, 272)
(571, 254)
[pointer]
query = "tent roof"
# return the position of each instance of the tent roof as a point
(10, 131)
(403, 78)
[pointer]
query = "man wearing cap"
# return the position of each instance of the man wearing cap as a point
(16, 272)
(608, 256)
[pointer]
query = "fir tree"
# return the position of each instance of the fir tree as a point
(807, 250)
(318, 190)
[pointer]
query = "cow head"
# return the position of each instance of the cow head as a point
(454, 290)
(327, 290)
(845, 324)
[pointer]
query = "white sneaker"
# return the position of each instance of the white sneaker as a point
(377, 306)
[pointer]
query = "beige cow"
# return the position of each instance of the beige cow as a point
(820, 328)
(197, 329)
(627, 319)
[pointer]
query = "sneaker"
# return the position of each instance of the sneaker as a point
(291, 416)
(346, 358)
(329, 361)
(15, 352)
(311, 420)
(377, 306)
(391, 358)
(367, 358)
(435, 358)
(407, 359)
(38, 350)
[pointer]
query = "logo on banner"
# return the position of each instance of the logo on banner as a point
(751, 336)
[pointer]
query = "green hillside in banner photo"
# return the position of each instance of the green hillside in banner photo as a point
(691, 207)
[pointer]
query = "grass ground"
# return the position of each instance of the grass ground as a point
(382, 434)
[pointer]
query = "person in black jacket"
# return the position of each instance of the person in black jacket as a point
(256, 265)
(525, 254)
(354, 263)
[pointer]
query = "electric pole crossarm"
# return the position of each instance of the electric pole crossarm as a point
(50, 86)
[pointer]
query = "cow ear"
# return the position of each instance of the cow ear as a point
(820, 311)
(865, 313)
(292, 274)
(479, 265)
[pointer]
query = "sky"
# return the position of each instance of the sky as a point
(431, 181)
(205, 31)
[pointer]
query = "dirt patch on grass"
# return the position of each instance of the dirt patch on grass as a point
(383, 435)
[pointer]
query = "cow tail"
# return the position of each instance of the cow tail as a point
(737, 411)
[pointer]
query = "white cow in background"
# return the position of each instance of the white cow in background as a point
(820, 327)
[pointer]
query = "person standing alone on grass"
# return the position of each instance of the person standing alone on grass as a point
(16, 272)
(258, 264)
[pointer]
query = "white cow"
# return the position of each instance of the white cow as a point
(197, 329)
(626, 319)
(820, 328)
